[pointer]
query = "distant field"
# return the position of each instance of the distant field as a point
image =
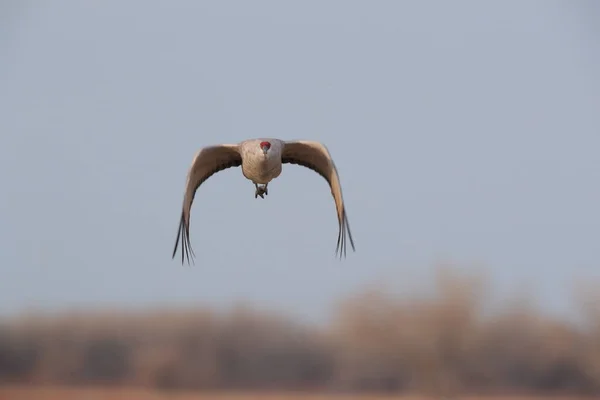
(19, 393)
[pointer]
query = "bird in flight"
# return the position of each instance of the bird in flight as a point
(261, 161)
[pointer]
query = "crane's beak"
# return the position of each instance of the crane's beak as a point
(265, 149)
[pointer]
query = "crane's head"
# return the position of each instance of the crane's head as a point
(265, 146)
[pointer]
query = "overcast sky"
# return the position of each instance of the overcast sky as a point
(463, 131)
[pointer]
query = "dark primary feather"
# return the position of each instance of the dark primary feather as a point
(186, 246)
(184, 223)
(344, 225)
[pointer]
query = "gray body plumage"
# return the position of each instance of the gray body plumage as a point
(255, 166)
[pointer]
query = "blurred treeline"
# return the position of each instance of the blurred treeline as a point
(448, 342)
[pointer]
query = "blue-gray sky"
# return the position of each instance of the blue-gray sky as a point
(466, 131)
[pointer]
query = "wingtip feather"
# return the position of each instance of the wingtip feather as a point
(186, 247)
(344, 234)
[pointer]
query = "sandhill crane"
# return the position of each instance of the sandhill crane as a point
(261, 161)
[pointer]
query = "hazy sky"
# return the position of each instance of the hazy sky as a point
(465, 131)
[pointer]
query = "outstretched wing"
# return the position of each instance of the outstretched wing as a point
(314, 155)
(208, 161)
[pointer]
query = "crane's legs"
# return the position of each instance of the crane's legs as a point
(261, 191)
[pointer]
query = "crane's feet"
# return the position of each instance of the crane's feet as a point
(261, 191)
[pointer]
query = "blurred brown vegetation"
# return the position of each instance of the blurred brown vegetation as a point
(114, 393)
(444, 344)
